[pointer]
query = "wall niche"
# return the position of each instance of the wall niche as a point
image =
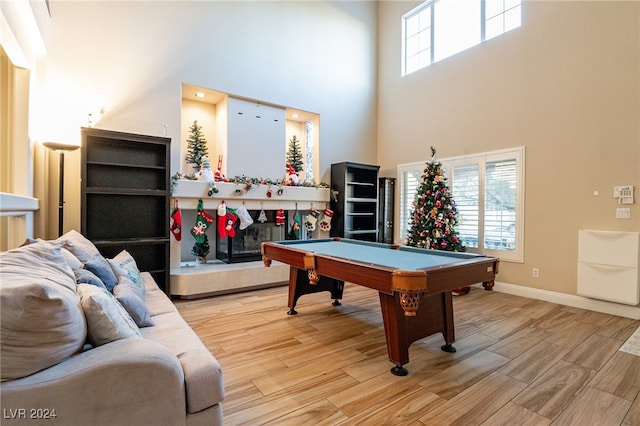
(247, 136)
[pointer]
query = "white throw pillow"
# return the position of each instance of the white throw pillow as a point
(41, 321)
(124, 265)
(79, 245)
(107, 320)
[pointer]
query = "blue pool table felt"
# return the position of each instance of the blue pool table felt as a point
(408, 260)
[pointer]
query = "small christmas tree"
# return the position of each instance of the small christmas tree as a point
(434, 219)
(294, 154)
(201, 250)
(196, 146)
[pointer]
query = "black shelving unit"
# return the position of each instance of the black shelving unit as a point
(356, 209)
(125, 197)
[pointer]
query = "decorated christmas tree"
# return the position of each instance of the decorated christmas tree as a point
(294, 154)
(196, 146)
(434, 218)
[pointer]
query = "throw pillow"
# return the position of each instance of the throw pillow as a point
(79, 245)
(84, 276)
(124, 265)
(131, 298)
(101, 268)
(41, 322)
(107, 320)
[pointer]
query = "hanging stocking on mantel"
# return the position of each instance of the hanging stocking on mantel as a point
(245, 218)
(176, 223)
(280, 217)
(325, 223)
(312, 218)
(230, 222)
(203, 222)
(222, 222)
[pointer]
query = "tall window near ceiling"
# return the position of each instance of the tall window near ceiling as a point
(437, 29)
(488, 190)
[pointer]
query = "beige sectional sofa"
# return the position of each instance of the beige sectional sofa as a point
(73, 354)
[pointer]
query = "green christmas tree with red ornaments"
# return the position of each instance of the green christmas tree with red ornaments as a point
(434, 218)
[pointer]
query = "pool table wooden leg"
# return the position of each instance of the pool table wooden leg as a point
(435, 314)
(299, 285)
(488, 285)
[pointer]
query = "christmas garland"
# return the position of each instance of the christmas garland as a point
(248, 182)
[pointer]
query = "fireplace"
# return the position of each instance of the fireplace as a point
(245, 245)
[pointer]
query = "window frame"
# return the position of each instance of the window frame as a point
(432, 28)
(417, 169)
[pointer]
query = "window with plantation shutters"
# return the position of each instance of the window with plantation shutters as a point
(409, 180)
(488, 190)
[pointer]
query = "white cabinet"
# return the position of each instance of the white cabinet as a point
(608, 266)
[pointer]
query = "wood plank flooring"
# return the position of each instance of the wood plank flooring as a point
(519, 362)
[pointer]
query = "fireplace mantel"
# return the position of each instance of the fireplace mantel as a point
(188, 192)
(189, 281)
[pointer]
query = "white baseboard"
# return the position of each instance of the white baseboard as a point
(610, 308)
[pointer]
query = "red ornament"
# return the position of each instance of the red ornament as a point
(428, 192)
(438, 203)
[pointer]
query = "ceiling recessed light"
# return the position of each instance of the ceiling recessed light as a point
(199, 95)
(295, 115)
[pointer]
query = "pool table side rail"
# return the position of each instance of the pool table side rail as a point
(385, 279)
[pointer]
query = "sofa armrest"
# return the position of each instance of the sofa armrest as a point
(131, 381)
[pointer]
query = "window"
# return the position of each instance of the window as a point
(488, 190)
(438, 29)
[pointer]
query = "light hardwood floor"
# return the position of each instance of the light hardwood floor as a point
(519, 362)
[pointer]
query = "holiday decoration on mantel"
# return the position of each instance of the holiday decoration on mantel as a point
(227, 218)
(203, 222)
(325, 223)
(196, 146)
(244, 180)
(176, 223)
(294, 154)
(434, 219)
(291, 178)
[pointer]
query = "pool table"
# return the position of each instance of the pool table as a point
(414, 284)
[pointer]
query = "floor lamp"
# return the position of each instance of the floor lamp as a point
(61, 148)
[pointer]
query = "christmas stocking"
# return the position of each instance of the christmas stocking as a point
(222, 223)
(203, 222)
(312, 218)
(176, 225)
(245, 218)
(294, 232)
(280, 217)
(325, 223)
(230, 222)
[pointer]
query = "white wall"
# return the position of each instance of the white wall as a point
(127, 60)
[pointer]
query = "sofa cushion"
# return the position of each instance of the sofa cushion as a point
(156, 300)
(124, 265)
(107, 320)
(131, 297)
(202, 372)
(41, 320)
(79, 245)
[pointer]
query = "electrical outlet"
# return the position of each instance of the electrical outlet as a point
(536, 272)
